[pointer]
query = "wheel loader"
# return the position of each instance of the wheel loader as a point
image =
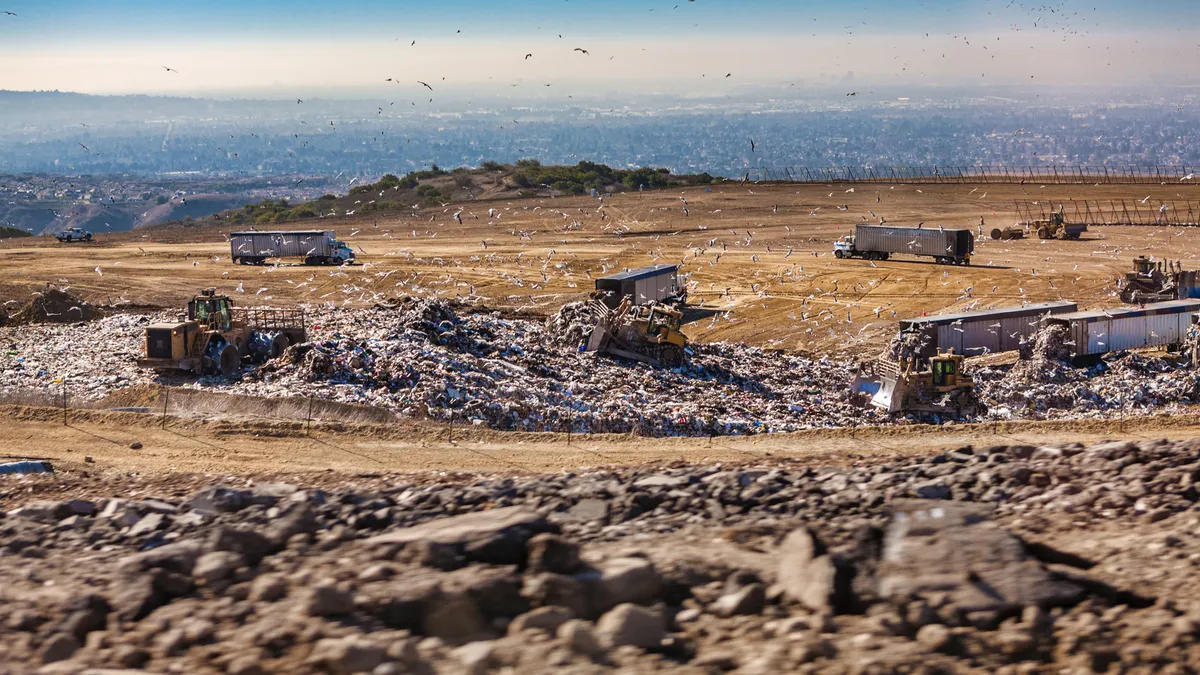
(216, 338)
(646, 333)
(1056, 227)
(935, 385)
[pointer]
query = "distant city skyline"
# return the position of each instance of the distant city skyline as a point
(705, 47)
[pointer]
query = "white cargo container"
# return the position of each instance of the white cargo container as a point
(987, 331)
(1158, 324)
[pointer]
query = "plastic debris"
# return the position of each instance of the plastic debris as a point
(12, 468)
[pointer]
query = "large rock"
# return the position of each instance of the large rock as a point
(809, 574)
(621, 580)
(951, 550)
(219, 499)
(631, 625)
(344, 656)
(218, 565)
(498, 537)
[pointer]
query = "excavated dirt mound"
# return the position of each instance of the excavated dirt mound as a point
(54, 306)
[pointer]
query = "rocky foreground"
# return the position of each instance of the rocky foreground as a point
(1003, 559)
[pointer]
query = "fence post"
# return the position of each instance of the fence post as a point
(166, 397)
(450, 425)
(64, 401)
(308, 417)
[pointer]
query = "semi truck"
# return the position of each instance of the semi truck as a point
(316, 247)
(879, 242)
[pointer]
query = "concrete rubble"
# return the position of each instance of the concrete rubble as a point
(757, 567)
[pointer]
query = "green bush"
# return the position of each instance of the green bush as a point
(491, 166)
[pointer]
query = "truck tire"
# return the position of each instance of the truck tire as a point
(884, 255)
(1043, 233)
(839, 255)
(87, 238)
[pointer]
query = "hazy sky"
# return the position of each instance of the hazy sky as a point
(291, 47)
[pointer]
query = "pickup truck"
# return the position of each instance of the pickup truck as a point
(73, 234)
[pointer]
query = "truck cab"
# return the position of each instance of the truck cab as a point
(342, 252)
(844, 247)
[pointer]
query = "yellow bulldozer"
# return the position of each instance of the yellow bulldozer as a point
(935, 385)
(216, 337)
(646, 333)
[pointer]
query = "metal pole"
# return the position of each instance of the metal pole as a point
(308, 417)
(64, 401)
(166, 398)
(450, 425)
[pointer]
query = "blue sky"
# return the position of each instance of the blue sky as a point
(109, 46)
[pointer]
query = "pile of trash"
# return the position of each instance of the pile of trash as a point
(1121, 384)
(906, 345)
(1046, 357)
(572, 325)
(420, 358)
(53, 306)
(514, 374)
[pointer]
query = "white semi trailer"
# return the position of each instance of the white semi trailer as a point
(315, 247)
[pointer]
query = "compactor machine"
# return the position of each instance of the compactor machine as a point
(216, 338)
(935, 385)
(646, 333)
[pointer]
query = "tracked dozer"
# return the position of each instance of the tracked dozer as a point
(1158, 281)
(646, 333)
(216, 338)
(936, 385)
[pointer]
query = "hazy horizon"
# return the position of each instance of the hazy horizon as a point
(698, 48)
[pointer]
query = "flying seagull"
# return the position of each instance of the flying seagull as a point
(10, 13)
(425, 85)
(586, 52)
(171, 70)
(528, 56)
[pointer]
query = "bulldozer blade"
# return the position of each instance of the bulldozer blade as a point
(596, 341)
(887, 397)
(864, 385)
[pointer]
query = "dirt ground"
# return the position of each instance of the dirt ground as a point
(758, 256)
(99, 441)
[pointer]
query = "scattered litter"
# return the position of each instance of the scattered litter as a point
(25, 467)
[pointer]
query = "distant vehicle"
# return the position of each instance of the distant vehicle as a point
(316, 247)
(879, 242)
(73, 234)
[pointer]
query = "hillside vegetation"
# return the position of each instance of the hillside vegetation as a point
(439, 187)
(12, 232)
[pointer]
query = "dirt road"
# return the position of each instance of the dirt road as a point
(247, 447)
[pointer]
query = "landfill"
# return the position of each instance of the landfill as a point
(422, 358)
